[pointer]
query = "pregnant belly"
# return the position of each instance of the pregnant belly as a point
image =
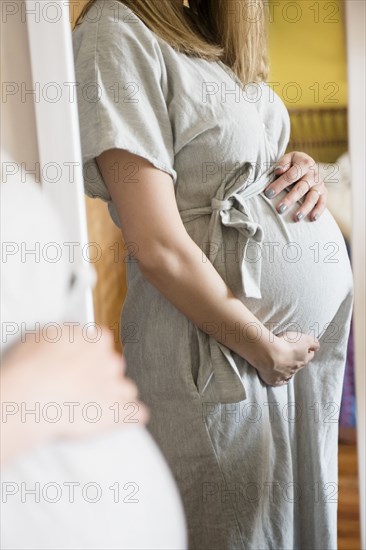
(306, 272)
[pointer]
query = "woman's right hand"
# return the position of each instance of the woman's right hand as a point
(288, 354)
(80, 381)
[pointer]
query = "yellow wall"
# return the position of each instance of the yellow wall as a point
(307, 47)
(77, 6)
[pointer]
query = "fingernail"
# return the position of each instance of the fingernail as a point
(282, 208)
(270, 193)
(299, 216)
(316, 217)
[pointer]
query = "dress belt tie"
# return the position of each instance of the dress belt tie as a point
(216, 204)
(230, 211)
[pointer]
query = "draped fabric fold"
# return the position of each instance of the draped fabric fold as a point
(230, 209)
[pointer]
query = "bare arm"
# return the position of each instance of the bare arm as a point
(171, 261)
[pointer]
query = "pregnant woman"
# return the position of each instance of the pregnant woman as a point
(239, 300)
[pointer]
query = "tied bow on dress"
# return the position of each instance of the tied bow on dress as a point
(230, 210)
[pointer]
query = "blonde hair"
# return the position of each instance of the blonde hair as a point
(233, 31)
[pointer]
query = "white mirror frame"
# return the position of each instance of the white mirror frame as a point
(52, 63)
(356, 62)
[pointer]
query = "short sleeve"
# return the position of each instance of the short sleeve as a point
(119, 73)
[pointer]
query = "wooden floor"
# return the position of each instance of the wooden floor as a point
(348, 505)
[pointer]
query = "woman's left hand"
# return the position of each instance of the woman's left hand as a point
(299, 169)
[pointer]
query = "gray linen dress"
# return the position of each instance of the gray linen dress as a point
(256, 465)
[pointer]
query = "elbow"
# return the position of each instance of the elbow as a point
(161, 266)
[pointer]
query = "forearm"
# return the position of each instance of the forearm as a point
(190, 282)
